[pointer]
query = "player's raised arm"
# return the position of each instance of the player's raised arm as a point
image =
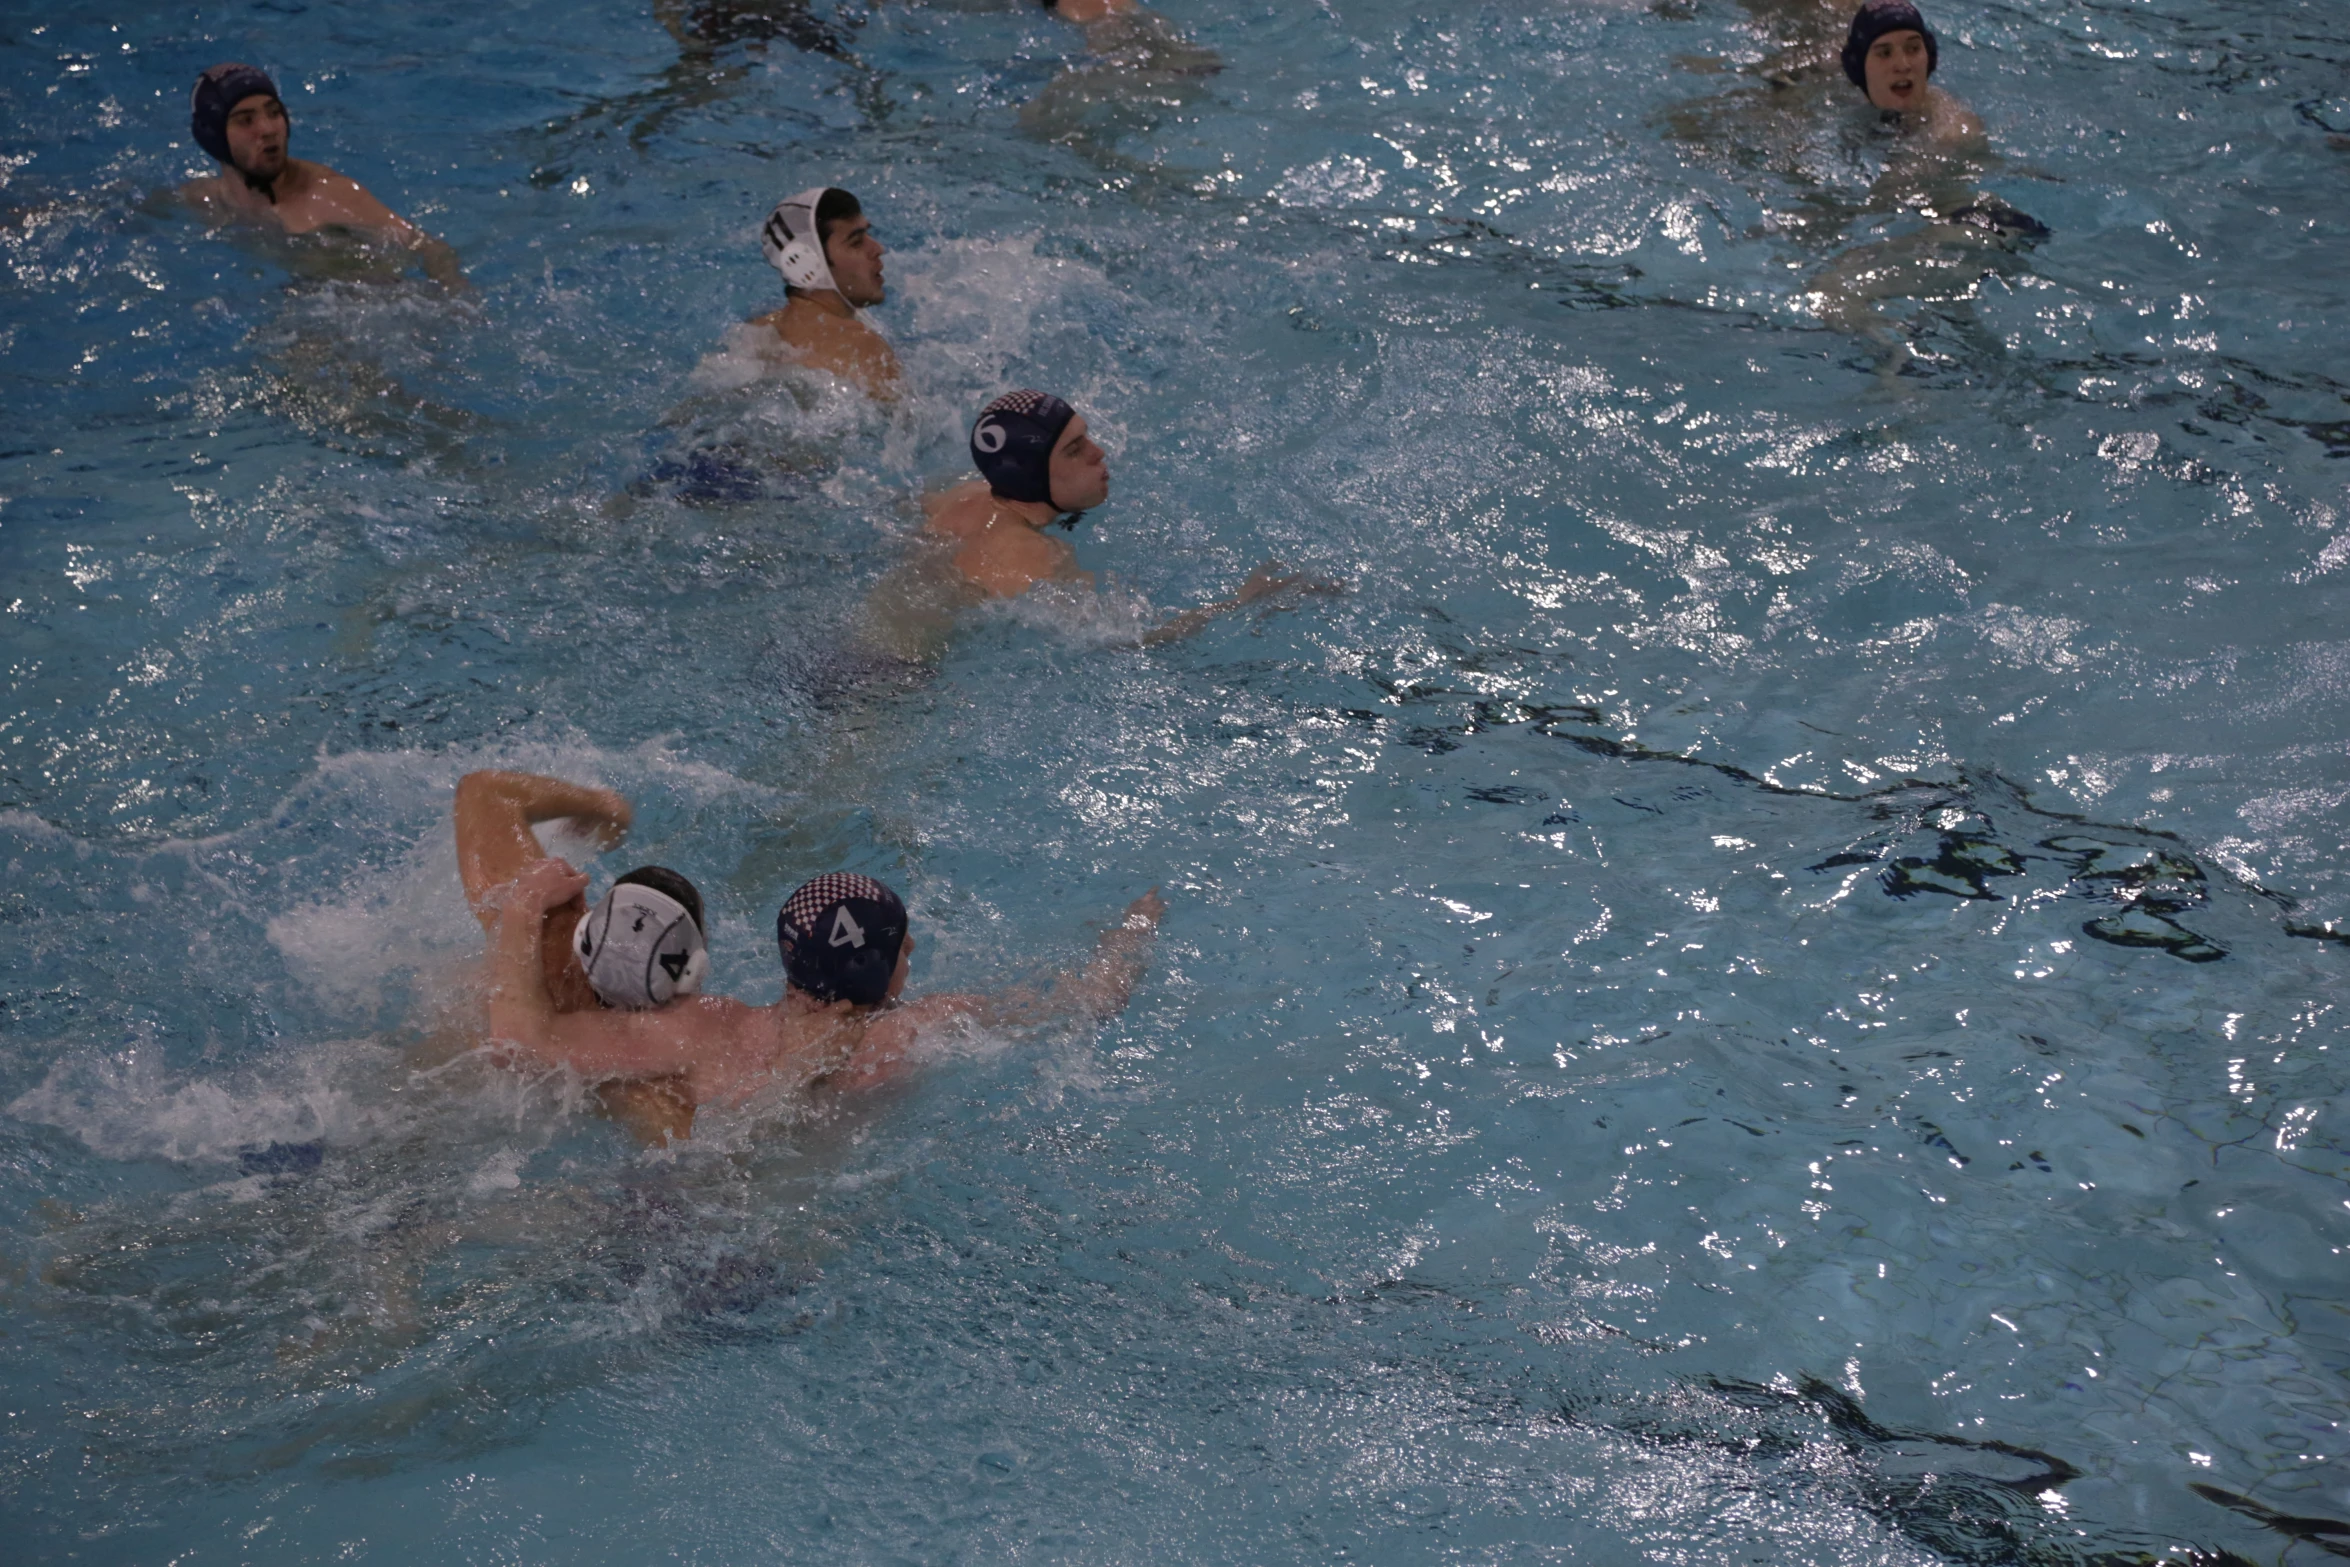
(494, 814)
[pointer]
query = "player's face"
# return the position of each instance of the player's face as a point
(1078, 472)
(257, 136)
(855, 258)
(1895, 68)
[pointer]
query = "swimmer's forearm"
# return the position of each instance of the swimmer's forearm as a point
(494, 814)
(1098, 990)
(520, 1012)
(534, 798)
(1103, 987)
(440, 263)
(1268, 579)
(1185, 624)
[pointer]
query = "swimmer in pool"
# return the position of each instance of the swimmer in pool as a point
(1138, 59)
(704, 27)
(1039, 465)
(829, 282)
(842, 1023)
(1932, 146)
(1133, 38)
(1890, 54)
(236, 115)
(985, 540)
(824, 245)
(642, 947)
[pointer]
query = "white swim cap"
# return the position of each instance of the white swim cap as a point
(792, 245)
(641, 948)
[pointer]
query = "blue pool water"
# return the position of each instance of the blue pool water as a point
(1760, 990)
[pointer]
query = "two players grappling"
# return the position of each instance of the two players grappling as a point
(613, 993)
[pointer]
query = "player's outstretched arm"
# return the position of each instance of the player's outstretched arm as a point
(347, 201)
(1097, 991)
(1101, 989)
(1267, 580)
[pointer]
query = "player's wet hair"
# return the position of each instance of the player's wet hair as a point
(833, 208)
(840, 936)
(664, 880)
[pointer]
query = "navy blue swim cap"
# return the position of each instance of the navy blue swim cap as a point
(1873, 21)
(1012, 444)
(840, 936)
(217, 92)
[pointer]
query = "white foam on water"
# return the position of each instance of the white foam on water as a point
(129, 1106)
(981, 312)
(976, 305)
(405, 916)
(747, 353)
(24, 824)
(1112, 615)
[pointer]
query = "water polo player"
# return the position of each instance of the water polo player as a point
(1890, 54)
(235, 115)
(842, 1022)
(1039, 465)
(643, 946)
(824, 245)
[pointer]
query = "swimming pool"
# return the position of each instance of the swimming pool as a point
(1754, 992)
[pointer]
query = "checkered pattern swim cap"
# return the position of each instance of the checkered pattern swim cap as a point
(1012, 443)
(1027, 400)
(840, 936)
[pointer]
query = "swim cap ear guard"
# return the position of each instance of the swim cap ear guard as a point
(1012, 444)
(217, 92)
(1873, 21)
(793, 244)
(641, 948)
(840, 936)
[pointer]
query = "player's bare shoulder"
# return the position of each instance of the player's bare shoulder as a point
(1007, 561)
(323, 198)
(208, 199)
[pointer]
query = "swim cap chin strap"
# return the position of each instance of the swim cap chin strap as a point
(792, 244)
(1012, 444)
(640, 949)
(1873, 21)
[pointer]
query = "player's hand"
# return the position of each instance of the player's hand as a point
(616, 818)
(1143, 913)
(543, 885)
